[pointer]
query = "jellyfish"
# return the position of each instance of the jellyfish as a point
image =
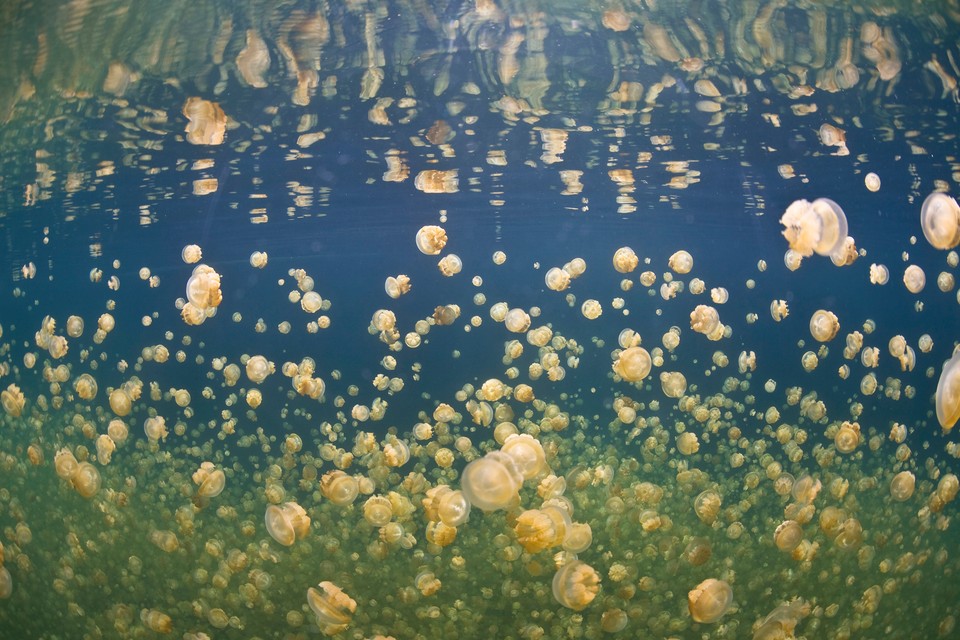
(820, 227)
(191, 254)
(914, 279)
(948, 393)
(824, 325)
(13, 400)
(633, 364)
(707, 506)
(709, 600)
(782, 621)
(6, 583)
(788, 535)
(332, 607)
(625, 260)
(872, 182)
(575, 585)
(86, 480)
(705, 319)
(902, 486)
(258, 368)
(203, 288)
(286, 523)
(340, 488)
(450, 265)
(879, 274)
(940, 220)
(207, 121)
(681, 262)
(431, 240)
(556, 279)
(258, 259)
(491, 482)
(210, 481)
(396, 286)
(527, 453)
(540, 529)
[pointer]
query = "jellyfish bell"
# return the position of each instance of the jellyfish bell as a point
(902, 486)
(279, 525)
(948, 393)
(681, 262)
(86, 480)
(431, 240)
(625, 260)
(940, 220)
(633, 364)
(575, 585)
(914, 279)
(491, 482)
(527, 454)
(824, 325)
(203, 288)
(709, 600)
(788, 536)
(332, 607)
(213, 484)
(818, 227)
(340, 488)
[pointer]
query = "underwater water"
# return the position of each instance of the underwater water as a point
(479, 319)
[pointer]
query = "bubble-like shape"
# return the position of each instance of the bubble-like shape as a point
(575, 585)
(824, 325)
(709, 600)
(818, 227)
(902, 486)
(527, 454)
(948, 393)
(491, 482)
(431, 239)
(940, 220)
(633, 364)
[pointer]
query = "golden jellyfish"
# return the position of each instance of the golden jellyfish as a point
(156, 620)
(203, 288)
(258, 368)
(782, 621)
(625, 260)
(940, 220)
(491, 482)
(74, 326)
(332, 607)
(65, 464)
(259, 259)
(12, 400)
(211, 480)
(879, 274)
(450, 265)
(105, 448)
(698, 551)
(6, 583)
(527, 453)
(338, 487)
(707, 506)
(709, 600)
(556, 279)
(579, 537)
(849, 535)
(847, 437)
(633, 364)
(575, 585)
(452, 507)
(681, 262)
(779, 310)
(902, 486)
(591, 309)
(446, 314)
(540, 529)
(517, 320)
(86, 386)
(872, 182)
(378, 511)
(824, 325)
(396, 286)
(705, 319)
(155, 428)
(818, 227)
(688, 443)
(287, 523)
(914, 279)
(673, 384)
(311, 302)
(948, 393)
(86, 480)
(788, 536)
(191, 254)
(120, 402)
(431, 240)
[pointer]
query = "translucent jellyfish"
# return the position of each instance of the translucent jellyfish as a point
(431, 240)
(105, 448)
(332, 607)
(709, 600)
(450, 265)
(6, 583)
(782, 621)
(820, 226)
(12, 400)
(705, 319)
(625, 260)
(378, 511)
(556, 279)
(914, 279)
(446, 314)
(86, 480)
(688, 443)
(902, 486)
(673, 384)
(575, 585)
(491, 482)
(311, 302)
(340, 488)
(788, 536)
(948, 393)
(156, 621)
(940, 220)
(74, 326)
(207, 121)
(397, 286)
(258, 368)
(591, 309)
(719, 295)
(824, 325)
(847, 437)
(120, 402)
(286, 523)
(681, 262)
(517, 320)
(210, 481)
(879, 274)
(633, 364)
(540, 529)
(203, 288)
(579, 537)
(872, 182)
(707, 506)
(527, 454)
(191, 253)
(258, 259)
(779, 310)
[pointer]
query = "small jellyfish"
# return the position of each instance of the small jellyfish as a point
(709, 600)
(491, 482)
(450, 265)
(914, 279)
(824, 325)
(258, 259)
(340, 488)
(879, 274)
(940, 220)
(191, 254)
(575, 585)
(258, 368)
(396, 286)
(378, 511)
(527, 454)
(872, 182)
(203, 288)
(847, 437)
(818, 227)
(540, 529)
(681, 262)
(517, 320)
(902, 486)
(556, 279)
(948, 393)
(86, 480)
(673, 384)
(788, 536)
(286, 523)
(431, 240)
(13, 400)
(779, 310)
(705, 319)
(625, 260)
(332, 607)
(633, 364)
(707, 505)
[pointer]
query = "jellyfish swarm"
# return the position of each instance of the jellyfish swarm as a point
(820, 226)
